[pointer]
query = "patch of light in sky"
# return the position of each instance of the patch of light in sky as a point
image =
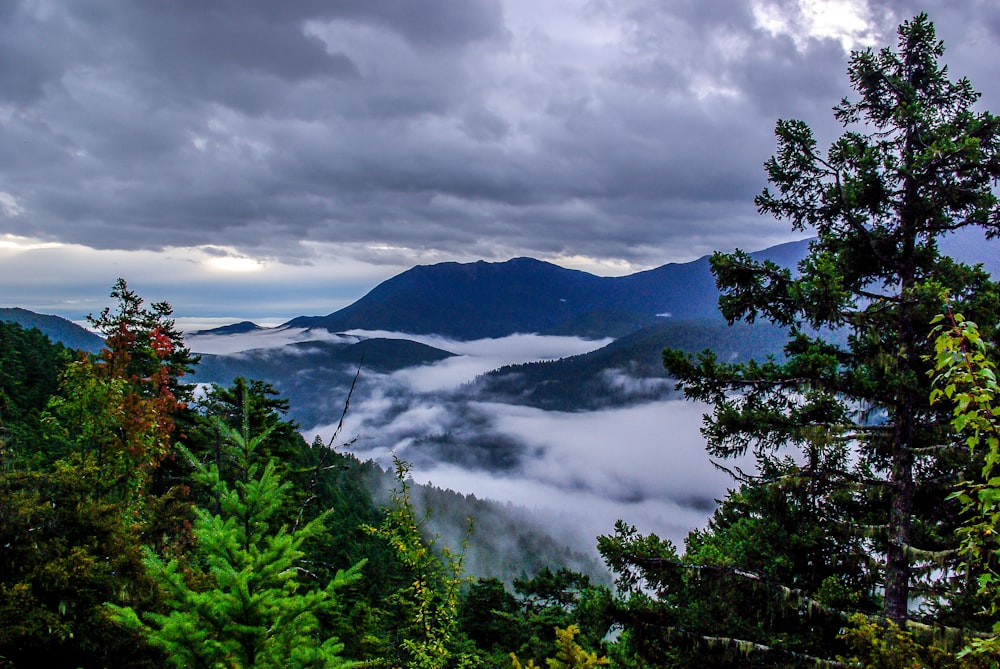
(236, 264)
(15, 243)
(847, 21)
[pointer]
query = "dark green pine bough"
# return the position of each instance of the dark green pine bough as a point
(845, 440)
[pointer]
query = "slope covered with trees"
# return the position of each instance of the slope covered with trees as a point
(143, 526)
(629, 369)
(55, 328)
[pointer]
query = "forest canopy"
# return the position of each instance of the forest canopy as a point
(145, 524)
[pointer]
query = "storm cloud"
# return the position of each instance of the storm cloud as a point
(298, 138)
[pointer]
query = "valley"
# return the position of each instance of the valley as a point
(518, 382)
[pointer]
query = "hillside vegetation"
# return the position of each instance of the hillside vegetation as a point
(120, 491)
(143, 525)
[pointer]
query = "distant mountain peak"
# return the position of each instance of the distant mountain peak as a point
(481, 299)
(235, 328)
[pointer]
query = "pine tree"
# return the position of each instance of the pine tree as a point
(79, 501)
(878, 204)
(241, 601)
(842, 426)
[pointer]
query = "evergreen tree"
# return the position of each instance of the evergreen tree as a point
(321, 477)
(489, 616)
(79, 501)
(64, 552)
(842, 427)
(30, 365)
(240, 601)
(559, 599)
(144, 343)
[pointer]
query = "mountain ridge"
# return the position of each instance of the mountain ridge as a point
(56, 328)
(523, 295)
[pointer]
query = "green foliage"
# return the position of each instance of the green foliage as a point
(117, 410)
(569, 654)
(559, 598)
(524, 621)
(78, 502)
(239, 600)
(964, 376)
(428, 606)
(29, 375)
(848, 509)
(143, 344)
(250, 407)
(883, 645)
(489, 615)
(64, 551)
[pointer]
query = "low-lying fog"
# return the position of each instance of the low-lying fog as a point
(644, 463)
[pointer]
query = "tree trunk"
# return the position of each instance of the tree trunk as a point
(897, 568)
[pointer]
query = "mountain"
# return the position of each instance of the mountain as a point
(57, 329)
(627, 370)
(316, 376)
(488, 300)
(242, 327)
(971, 247)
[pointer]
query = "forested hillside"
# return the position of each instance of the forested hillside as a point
(56, 328)
(145, 525)
(135, 515)
(627, 370)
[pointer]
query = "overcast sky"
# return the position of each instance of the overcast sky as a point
(261, 159)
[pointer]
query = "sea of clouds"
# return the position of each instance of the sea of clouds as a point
(644, 463)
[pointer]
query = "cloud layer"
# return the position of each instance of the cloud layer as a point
(580, 471)
(615, 135)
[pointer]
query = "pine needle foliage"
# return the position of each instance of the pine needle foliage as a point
(848, 502)
(241, 601)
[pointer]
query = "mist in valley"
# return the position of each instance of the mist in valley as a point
(579, 471)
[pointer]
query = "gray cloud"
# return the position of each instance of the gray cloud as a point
(629, 131)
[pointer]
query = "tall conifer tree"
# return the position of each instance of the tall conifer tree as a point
(843, 424)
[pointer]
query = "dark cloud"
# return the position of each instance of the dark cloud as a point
(432, 23)
(632, 130)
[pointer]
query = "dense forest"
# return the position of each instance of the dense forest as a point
(145, 525)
